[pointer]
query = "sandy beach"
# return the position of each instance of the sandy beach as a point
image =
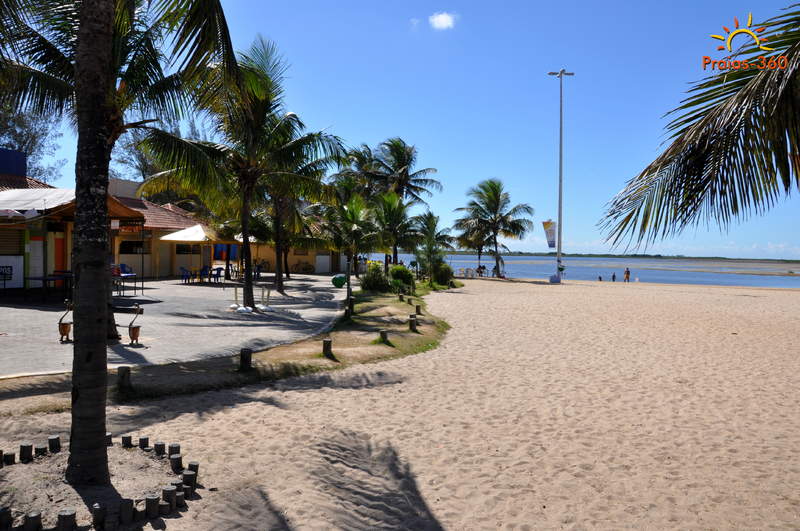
(587, 405)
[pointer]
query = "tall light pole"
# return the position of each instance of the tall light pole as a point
(560, 75)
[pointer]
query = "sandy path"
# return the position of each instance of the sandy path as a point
(580, 406)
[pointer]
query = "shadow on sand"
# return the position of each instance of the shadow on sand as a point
(369, 486)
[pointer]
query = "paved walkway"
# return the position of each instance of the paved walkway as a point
(180, 323)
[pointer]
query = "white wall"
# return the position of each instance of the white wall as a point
(322, 263)
(17, 264)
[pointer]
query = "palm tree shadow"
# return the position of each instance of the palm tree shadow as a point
(370, 486)
(248, 508)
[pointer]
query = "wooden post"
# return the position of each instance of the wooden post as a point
(174, 448)
(180, 499)
(151, 506)
(124, 378)
(66, 520)
(351, 306)
(5, 518)
(384, 336)
(127, 441)
(144, 442)
(33, 521)
(126, 511)
(159, 447)
(163, 508)
(39, 451)
(98, 516)
(401, 297)
(9, 459)
(109, 440)
(176, 462)
(412, 322)
(245, 359)
(168, 495)
(1, 458)
(410, 301)
(25, 452)
(190, 478)
(54, 444)
(327, 348)
(194, 466)
(419, 309)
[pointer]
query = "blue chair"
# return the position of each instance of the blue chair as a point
(186, 275)
(204, 273)
(216, 274)
(125, 274)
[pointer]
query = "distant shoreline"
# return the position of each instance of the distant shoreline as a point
(647, 256)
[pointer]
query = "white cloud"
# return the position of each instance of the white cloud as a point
(414, 23)
(442, 21)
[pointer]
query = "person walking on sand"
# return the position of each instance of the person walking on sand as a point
(627, 275)
(614, 276)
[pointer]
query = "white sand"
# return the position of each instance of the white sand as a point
(579, 406)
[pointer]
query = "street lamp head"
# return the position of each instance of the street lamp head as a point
(552, 73)
(561, 73)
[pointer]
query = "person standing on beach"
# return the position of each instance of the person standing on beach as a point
(627, 275)
(614, 276)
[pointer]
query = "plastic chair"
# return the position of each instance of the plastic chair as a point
(204, 273)
(216, 274)
(186, 275)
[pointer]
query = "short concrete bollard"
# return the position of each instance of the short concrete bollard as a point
(54, 444)
(245, 359)
(151, 505)
(412, 322)
(33, 522)
(127, 441)
(159, 448)
(124, 378)
(327, 348)
(67, 520)
(25, 452)
(384, 336)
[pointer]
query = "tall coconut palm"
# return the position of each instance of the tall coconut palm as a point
(433, 242)
(361, 166)
(93, 60)
(348, 226)
(257, 141)
(396, 162)
(472, 240)
(490, 212)
(735, 147)
(396, 227)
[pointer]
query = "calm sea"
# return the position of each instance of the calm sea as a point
(666, 271)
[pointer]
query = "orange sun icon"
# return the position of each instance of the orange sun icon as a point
(742, 31)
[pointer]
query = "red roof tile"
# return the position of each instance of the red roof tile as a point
(16, 182)
(158, 217)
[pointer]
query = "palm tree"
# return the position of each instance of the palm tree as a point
(257, 141)
(348, 226)
(92, 61)
(433, 242)
(395, 226)
(490, 212)
(361, 166)
(735, 147)
(472, 240)
(396, 161)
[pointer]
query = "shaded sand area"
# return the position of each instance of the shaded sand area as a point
(579, 406)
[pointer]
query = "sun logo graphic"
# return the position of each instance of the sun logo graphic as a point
(752, 33)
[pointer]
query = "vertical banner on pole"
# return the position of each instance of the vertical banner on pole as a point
(550, 232)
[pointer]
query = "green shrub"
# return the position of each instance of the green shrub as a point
(405, 276)
(443, 274)
(374, 279)
(398, 286)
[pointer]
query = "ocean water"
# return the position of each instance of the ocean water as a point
(665, 271)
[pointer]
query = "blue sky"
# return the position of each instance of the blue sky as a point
(469, 88)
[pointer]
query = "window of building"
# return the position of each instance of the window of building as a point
(134, 247)
(185, 248)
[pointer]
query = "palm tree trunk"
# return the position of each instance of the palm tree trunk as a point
(480, 252)
(394, 254)
(88, 460)
(496, 256)
(228, 262)
(247, 262)
(387, 258)
(278, 230)
(286, 261)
